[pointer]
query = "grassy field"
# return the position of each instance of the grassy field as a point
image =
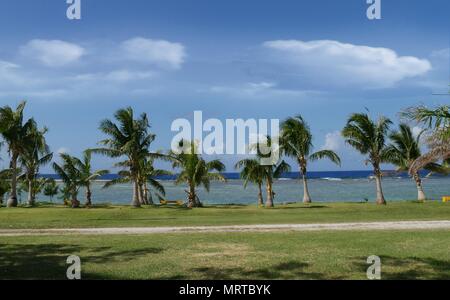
(309, 255)
(123, 216)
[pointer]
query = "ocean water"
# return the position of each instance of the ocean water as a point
(324, 187)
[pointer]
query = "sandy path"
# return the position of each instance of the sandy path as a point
(407, 225)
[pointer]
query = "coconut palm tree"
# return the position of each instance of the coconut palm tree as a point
(271, 171)
(253, 171)
(129, 138)
(404, 151)
(87, 174)
(15, 132)
(195, 171)
(369, 138)
(36, 154)
(438, 122)
(51, 189)
(147, 180)
(71, 176)
(296, 142)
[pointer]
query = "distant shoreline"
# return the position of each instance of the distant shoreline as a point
(324, 175)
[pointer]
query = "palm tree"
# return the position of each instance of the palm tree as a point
(272, 171)
(16, 134)
(369, 138)
(296, 142)
(36, 186)
(195, 171)
(404, 151)
(36, 154)
(253, 171)
(147, 180)
(51, 189)
(438, 122)
(130, 138)
(71, 176)
(87, 174)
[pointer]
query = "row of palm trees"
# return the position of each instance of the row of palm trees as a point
(130, 139)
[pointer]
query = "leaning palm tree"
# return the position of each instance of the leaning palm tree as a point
(87, 174)
(369, 138)
(15, 132)
(195, 171)
(71, 176)
(253, 171)
(36, 154)
(129, 138)
(438, 123)
(404, 151)
(296, 142)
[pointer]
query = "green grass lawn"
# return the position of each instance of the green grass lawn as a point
(123, 216)
(290, 255)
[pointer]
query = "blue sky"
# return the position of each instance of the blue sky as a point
(231, 59)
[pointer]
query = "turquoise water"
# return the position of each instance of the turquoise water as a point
(288, 190)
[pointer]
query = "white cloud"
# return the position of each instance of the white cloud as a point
(159, 52)
(53, 53)
(345, 64)
(441, 54)
(117, 76)
(334, 141)
(258, 90)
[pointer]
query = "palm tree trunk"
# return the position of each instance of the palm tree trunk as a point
(380, 196)
(420, 193)
(75, 202)
(269, 188)
(260, 196)
(192, 197)
(143, 196)
(30, 193)
(12, 201)
(306, 195)
(88, 196)
(136, 202)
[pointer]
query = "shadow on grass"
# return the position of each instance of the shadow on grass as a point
(409, 268)
(299, 207)
(290, 270)
(48, 261)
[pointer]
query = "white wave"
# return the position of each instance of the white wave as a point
(331, 179)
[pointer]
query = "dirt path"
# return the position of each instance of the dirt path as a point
(407, 225)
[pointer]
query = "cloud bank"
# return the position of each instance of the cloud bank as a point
(347, 64)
